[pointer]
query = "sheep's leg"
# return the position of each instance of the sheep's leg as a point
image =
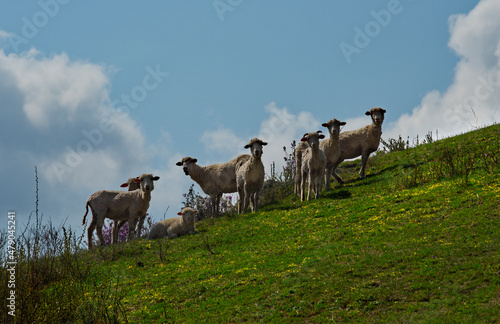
(100, 223)
(311, 185)
(116, 228)
(334, 172)
(256, 201)
(251, 201)
(296, 178)
(328, 175)
(298, 182)
(364, 160)
(241, 193)
(302, 187)
(245, 200)
(141, 223)
(131, 227)
(213, 200)
(315, 187)
(320, 182)
(217, 204)
(90, 232)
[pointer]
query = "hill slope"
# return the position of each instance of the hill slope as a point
(415, 241)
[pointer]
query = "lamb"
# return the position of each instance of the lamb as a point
(175, 227)
(312, 166)
(362, 141)
(250, 177)
(117, 225)
(116, 204)
(214, 179)
(331, 148)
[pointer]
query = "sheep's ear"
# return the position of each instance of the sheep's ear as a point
(156, 178)
(247, 146)
(137, 180)
(179, 163)
(264, 143)
(124, 185)
(368, 113)
(194, 160)
(319, 132)
(383, 110)
(324, 125)
(179, 213)
(195, 211)
(342, 123)
(304, 139)
(321, 136)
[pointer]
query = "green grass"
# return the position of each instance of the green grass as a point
(417, 241)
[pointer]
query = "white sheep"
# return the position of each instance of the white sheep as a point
(117, 225)
(331, 147)
(250, 177)
(362, 141)
(312, 166)
(116, 205)
(214, 179)
(174, 227)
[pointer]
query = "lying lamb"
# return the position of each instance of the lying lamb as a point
(174, 227)
(214, 179)
(250, 177)
(116, 205)
(362, 141)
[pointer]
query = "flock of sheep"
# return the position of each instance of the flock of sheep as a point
(315, 161)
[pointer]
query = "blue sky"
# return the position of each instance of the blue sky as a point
(202, 79)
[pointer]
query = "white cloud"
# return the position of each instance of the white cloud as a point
(222, 140)
(472, 100)
(4, 35)
(279, 130)
(56, 114)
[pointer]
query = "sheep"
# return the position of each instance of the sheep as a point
(117, 225)
(250, 177)
(174, 227)
(331, 148)
(116, 204)
(312, 166)
(298, 153)
(214, 179)
(362, 141)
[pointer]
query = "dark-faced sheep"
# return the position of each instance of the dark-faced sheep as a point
(132, 185)
(362, 141)
(331, 148)
(115, 204)
(312, 166)
(250, 177)
(214, 179)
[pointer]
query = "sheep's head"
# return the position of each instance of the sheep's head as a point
(255, 145)
(313, 139)
(131, 184)
(333, 126)
(186, 163)
(188, 215)
(146, 181)
(377, 114)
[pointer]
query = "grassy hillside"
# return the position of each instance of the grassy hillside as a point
(417, 241)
